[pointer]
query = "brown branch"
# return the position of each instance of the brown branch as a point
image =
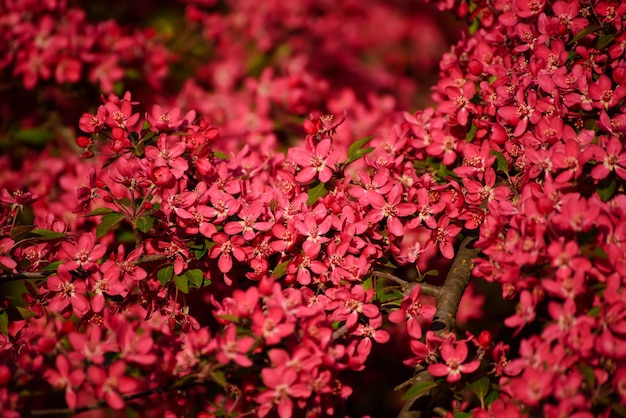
(429, 289)
(406, 412)
(103, 403)
(448, 299)
(393, 278)
(340, 332)
(9, 277)
(27, 275)
(452, 290)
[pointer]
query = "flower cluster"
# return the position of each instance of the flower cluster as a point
(204, 268)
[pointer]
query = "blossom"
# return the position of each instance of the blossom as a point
(84, 254)
(318, 162)
(281, 387)
(232, 348)
(67, 378)
(226, 248)
(453, 354)
(412, 310)
(161, 120)
(111, 383)
(6, 244)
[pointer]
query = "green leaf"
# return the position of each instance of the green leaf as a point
(418, 388)
(594, 312)
(357, 145)
(389, 297)
(46, 234)
(367, 284)
(356, 150)
(502, 163)
(230, 318)
(110, 161)
(316, 192)
(4, 323)
(195, 277)
(480, 387)
(20, 232)
(491, 398)
(199, 248)
(462, 415)
(199, 253)
(588, 374)
(471, 133)
(359, 153)
(165, 274)
(25, 313)
(606, 189)
(219, 378)
(52, 266)
(144, 223)
(100, 211)
(588, 30)
(605, 40)
(220, 155)
(182, 282)
(474, 26)
(108, 223)
(34, 136)
(281, 269)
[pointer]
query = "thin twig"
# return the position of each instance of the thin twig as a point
(406, 412)
(393, 278)
(9, 277)
(340, 332)
(429, 289)
(27, 275)
(103, 403)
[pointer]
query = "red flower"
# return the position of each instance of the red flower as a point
(84, 254)
(65, 377)
(319, 162)
(281, 387)
(413, 311)
(111, 383)
(453, 354)
(226, 248)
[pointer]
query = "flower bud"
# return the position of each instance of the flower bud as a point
(484, 339)
(83, 141)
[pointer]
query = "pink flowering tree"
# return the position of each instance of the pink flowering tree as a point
(260, 238)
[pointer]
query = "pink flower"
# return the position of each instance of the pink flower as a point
(171, 120)
(281, 387)
(445, 235)
(316, 163)
(610, 156)
(249, 223)
(65, 377)
(412, 311)
(111, 383)
(390, 208)
(67, 291)
(168, 153)
(84, 254)
(226, 248)
(6, 244)
(271, 326)
(232, 348)
(453, 354)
